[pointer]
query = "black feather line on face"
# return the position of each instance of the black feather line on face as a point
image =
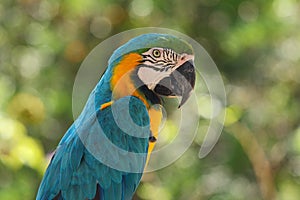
(145, 60)
(149, 66)
(168, 58)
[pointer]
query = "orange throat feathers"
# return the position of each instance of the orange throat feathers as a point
(121, 83)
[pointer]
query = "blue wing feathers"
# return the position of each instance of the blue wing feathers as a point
(77, 153)
(75, 173)
(116, 176)
(130, 182)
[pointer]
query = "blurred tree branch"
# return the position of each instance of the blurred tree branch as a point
(256, 155)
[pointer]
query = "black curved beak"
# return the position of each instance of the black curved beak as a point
(180, 83)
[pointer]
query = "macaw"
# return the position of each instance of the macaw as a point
(104, 152)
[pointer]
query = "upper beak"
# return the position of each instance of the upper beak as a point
(181, 82)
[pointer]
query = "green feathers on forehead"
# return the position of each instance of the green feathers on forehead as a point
(144, 42)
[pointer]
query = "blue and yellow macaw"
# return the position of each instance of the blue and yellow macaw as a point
(104, 152)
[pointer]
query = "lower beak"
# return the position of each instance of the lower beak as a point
(180, 83)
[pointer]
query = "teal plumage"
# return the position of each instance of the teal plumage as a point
(102, 156)
(74, 172)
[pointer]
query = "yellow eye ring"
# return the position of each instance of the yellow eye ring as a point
(156, 53)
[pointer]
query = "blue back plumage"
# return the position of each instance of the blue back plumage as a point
(85, 166)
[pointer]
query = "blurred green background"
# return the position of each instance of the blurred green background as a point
(255, 44)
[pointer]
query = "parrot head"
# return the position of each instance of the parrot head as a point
(156, 65)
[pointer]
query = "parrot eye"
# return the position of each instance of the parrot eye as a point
(156, 53)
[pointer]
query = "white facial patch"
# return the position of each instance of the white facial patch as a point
(151, 77)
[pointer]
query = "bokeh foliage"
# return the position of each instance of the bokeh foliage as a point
(255, 45)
